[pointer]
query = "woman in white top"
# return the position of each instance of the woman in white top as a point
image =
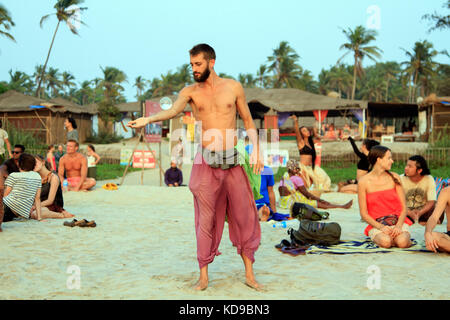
(92, 159)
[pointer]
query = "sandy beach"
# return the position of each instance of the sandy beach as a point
(144, 248)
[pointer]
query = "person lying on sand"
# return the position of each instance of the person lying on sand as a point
(436, 241)
(292, 189)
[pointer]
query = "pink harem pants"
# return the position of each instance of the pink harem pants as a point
(219, 193)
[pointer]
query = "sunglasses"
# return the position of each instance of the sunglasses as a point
(17, 152)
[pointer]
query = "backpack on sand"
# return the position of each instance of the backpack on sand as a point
(316, 233)
(301, 211)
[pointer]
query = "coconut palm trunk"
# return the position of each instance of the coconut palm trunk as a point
(46, 61)
(354, 78)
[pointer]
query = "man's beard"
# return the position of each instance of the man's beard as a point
(203, 77)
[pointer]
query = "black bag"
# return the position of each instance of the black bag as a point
(305, 211)
(313, 232)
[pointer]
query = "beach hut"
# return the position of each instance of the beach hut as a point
(44, 118)
(264, 104)
(436, 111)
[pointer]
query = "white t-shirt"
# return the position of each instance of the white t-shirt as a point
(24, 187)
(3, 136)
(418, 194)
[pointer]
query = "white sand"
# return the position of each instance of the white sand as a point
(144, 248)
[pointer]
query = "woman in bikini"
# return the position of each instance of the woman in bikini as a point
(382, 202)
(362, 166)
(313, 174)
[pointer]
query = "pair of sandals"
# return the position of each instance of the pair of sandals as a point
(110, 186)
(82, 223)
(291, 248)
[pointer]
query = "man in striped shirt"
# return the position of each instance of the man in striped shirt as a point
(22, 190)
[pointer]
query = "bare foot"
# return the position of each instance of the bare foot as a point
(201, 284)
(68, 215)
(348, 204)
(264, 213)
(252, 283)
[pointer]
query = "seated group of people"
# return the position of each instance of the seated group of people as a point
(390, 203)
(31, 189)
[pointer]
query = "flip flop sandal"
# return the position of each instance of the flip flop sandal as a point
(283, 243)
(87, 224)
(73, 223)
(294, 251)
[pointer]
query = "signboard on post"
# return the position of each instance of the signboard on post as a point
(153, 131)
(144, 159)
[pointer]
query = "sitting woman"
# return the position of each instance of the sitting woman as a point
(52, 202)
(8, 167)
(382, 202)
(312, 174)
(351, 186)
(292, 189)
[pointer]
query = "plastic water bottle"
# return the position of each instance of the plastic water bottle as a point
(280, 224)
(65, 184)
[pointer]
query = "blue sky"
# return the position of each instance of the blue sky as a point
(149, 38)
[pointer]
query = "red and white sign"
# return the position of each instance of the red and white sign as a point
(143, 158)
(153, 131)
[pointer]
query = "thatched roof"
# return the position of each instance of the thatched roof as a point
(433, 99)
(295, 100)
(13, 101)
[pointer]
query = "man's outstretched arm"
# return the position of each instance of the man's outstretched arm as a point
(177, 107)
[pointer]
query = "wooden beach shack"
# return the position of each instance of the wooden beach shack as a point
(44, 118)
(437, 113)
(267, 106)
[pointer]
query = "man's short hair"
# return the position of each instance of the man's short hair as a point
(421, 163)
(20, 146)
(208, 51)
(74, 141)
(27, 162)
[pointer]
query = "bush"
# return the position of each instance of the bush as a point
(103, 138)
(25, 138)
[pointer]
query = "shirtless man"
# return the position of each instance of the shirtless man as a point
(437, 241)
(219, 189)
(76, 168)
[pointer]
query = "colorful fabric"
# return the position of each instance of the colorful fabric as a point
(316, 176)
(253, 178)
(292, 183)
(364, 246)
(441, 183)
(220, 193)
(383, 203)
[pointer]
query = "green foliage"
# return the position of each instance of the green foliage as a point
(103, 138)
(112, 171)
(25, 138)
(441, 139)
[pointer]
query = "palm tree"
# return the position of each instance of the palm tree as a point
(140, 84)
(54, 84)
(440, 21)
(420, 63)
(111, 82)
(20, 81)
(261, 75)
(6, 22)
(357, 44)
(66, 81)
(339, 79)
(64, 12)
(284, 65)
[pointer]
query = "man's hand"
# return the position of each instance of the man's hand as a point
(138, 123)
(431, 242)
(293, 117)
(256, 162)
